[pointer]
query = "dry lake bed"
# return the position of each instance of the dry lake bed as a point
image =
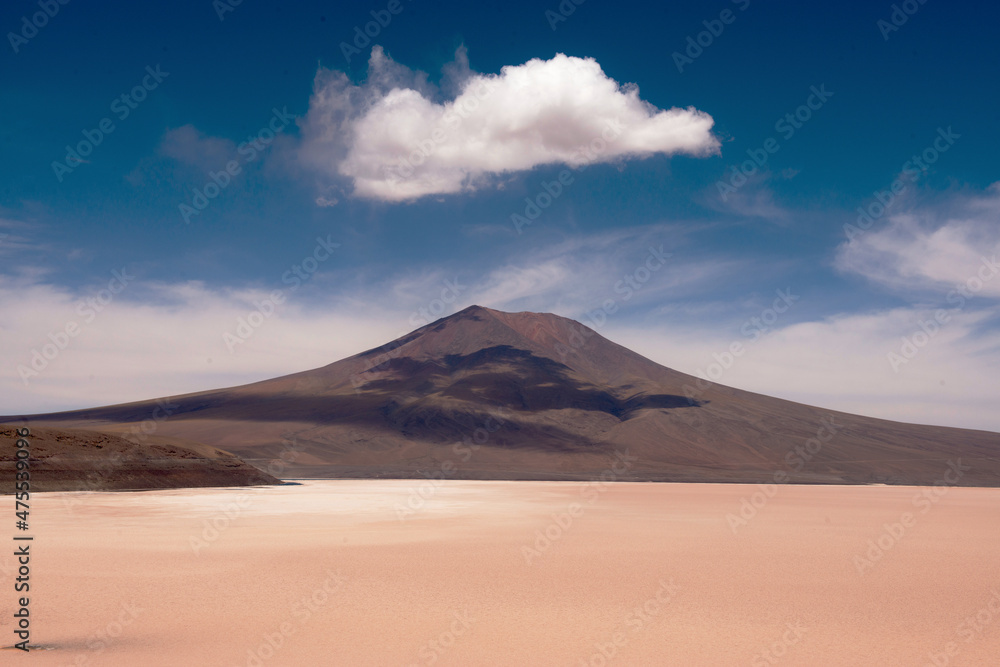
(405, 572)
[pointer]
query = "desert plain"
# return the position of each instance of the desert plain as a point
(454, 572)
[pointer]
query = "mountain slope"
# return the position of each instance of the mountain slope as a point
(487, 394)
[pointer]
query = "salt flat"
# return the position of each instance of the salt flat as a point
(514, 573)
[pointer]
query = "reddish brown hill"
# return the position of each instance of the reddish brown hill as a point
(79, 460)
(544, 398)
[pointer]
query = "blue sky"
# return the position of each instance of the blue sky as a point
(312, 139)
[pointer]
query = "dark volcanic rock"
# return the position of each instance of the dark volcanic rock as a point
(75, 460)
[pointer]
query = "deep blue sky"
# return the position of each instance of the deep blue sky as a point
(890, 97)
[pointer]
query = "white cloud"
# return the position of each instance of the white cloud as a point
(932, 251)
(396, 139)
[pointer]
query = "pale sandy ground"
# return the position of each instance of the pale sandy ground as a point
(332, 576)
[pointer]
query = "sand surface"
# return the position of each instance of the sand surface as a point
(331, 573)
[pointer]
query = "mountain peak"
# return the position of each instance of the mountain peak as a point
(476, 327)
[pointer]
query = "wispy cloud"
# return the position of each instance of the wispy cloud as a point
(17, 236)
(841, 362)
(160, 339)
(932, 250)
(190, 146)
(755, 199)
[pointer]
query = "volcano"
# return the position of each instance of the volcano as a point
(485, 394)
